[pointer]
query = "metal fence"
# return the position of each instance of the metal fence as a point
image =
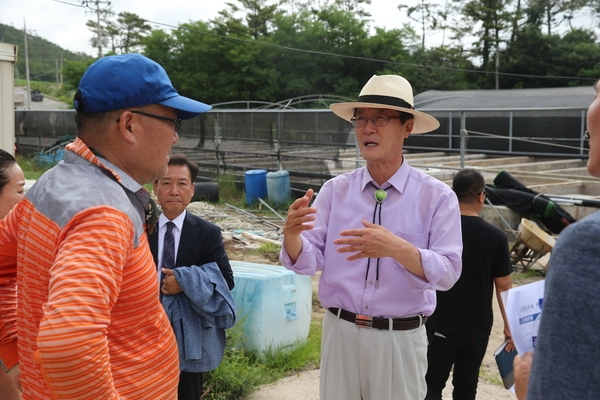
(309, 143)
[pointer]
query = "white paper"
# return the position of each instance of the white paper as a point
(523, 306)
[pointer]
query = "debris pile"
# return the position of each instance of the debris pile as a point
(248, 228)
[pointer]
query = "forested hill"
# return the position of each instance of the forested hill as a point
(43, 55)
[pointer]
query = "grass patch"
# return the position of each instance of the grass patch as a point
(492, 377)
(241, 373)
(519, 277)
(61, 92)
(266, 249)
(32, 168)
(229, 191)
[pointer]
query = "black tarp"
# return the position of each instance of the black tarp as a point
(508, 191)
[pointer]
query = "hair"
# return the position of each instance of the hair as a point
(181, 160)
(468, 184)
(95, 123)
(7, 161)
(404, 116)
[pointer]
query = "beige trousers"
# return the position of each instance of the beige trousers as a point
(371, 364)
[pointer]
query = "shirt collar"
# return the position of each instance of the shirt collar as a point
(178, 221)
(82, 150)
(398, 180)
(79, 153)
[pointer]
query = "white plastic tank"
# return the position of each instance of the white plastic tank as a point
(274, 305)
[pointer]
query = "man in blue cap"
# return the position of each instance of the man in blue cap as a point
(90, 323)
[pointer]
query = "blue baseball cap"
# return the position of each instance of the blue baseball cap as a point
(131, 80)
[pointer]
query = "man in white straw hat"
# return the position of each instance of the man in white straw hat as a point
(385, 237)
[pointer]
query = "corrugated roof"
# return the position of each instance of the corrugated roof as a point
(570, 97)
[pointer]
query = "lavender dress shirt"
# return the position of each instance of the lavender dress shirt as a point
(418, 208)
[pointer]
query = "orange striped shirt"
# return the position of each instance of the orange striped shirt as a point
(8, 305)
(90, 323)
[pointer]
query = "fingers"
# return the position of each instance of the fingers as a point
(167, 281)
(368, 224)
(372, 241)
(297, 223)
(309, 196)
(300, 215)
(170, 285)
(509, 345)
(303, 201)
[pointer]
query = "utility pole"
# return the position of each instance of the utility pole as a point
(497, 60)
(28, 94)
(99, 39)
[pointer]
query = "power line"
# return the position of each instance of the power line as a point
(99, 40)
(322, 53)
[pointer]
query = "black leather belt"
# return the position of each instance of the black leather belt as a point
(366, 321)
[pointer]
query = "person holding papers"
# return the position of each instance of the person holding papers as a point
(459, 329)
(565, 362)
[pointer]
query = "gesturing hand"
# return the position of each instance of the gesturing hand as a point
(372, 241)
(299, 213)
(298, 219)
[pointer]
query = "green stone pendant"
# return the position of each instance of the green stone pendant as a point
(380, 195)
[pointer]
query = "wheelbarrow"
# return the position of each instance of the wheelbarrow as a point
(531, 244)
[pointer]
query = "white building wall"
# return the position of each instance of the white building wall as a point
(8, 57)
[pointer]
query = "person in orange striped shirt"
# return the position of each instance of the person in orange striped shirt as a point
(90, 323)
(12, 186)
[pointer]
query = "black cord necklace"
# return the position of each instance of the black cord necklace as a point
(380, 196)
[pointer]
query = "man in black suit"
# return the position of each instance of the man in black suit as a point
(184, 277)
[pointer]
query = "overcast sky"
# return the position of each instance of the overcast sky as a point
(63, 22)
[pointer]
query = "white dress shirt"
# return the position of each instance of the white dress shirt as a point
(162, 229)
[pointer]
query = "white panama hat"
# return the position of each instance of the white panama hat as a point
(388, 91)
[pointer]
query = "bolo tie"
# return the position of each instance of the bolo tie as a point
(380, 195)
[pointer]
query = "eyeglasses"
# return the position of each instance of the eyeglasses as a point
(586, 135)
(176, 121)
(361, 122)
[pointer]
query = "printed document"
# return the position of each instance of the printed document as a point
(523, 306)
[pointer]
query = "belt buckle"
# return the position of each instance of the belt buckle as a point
(363, 321)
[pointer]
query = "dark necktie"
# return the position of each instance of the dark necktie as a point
(168, 258)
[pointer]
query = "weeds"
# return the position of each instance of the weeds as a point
(61, 92)
(241, 372)
(524, 276)
(229, 191)
(267, 249)
(491, 376)
(32, 168)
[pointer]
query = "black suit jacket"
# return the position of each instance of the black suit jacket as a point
(201, 242)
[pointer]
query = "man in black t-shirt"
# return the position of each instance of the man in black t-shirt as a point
(459, 329)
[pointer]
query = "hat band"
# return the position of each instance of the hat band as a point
(388, 100)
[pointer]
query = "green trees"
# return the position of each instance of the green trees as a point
(273, 50)
(121, 33)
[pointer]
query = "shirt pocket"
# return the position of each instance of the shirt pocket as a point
(419, 240)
